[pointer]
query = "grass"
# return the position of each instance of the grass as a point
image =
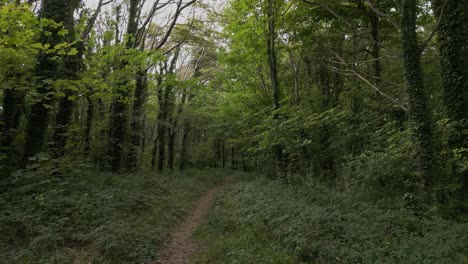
(91, 217)
(264, 221)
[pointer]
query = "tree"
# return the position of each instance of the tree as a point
(18, 50)
(137, 122)
(452, 43)
(72, 66)
(417, 98)
(272, 11)
(165, 109)
(48, 70)
(119, 118)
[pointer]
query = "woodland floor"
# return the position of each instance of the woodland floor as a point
(181, 246)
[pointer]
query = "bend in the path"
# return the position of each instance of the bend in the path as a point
(181, 246)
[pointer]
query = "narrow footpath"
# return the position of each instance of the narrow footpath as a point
(181, 247)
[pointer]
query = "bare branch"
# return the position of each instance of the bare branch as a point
(327, 7)
(92, 19)
(383, 15)
(373, 86)
(180, 8)
(439, 21)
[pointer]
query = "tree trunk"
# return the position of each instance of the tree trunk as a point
(185, 146)
(223, 153)
(63, 118)
(88, 125)
(162, 128)
(12, 106)
(374, 27)
(418, 106)
(173, 131)
(119, 116)
(170, 150)
(159, 95)
(453, 40)
(165, 110)
(137, 125)
(233, 159)
(275, 89)
(61, 11)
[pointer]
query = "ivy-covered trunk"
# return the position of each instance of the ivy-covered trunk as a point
(159, 95)
(173, 131)
(137, 125)
(375, 34)
(274, 81)
(13, 104)
(119, 117)
(453, 50)
(419, 116)
(162, 129)
(48, 70)
(165, 111)
(184, 146)
(88, 124)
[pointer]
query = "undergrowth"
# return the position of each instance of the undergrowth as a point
(269, 222)
(92, 217)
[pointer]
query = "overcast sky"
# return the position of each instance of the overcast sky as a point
(162, 15)
(214, 3)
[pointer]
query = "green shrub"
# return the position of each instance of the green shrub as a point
(315, 224)
(52, 214)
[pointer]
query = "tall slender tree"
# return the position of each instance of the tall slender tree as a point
(72, 66)
(453, 45)
(417, 99)
(272, 9)
(48, 70)
(165, 105)
(119, 117)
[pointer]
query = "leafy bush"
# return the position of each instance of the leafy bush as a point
(49, 214)
(275, 223)
(381, 171)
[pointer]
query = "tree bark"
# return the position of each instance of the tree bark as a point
(223, 153)
(185, 146)
(173, 131)
(417, 99)
(88, 125)
(61, 11)
(137, 125)
(119, 116)
(275, 89)
(452, 42)
(12, 106)
(162, 128)
(164, 108)
(374, 27)
(159, 95)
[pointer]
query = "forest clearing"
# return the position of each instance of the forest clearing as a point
(233, 131)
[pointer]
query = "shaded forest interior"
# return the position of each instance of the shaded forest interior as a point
(350, 111)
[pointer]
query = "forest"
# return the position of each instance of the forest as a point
(234, 131)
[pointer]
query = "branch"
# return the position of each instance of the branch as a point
(92, 19)
(174, 61)
(180, 8)
(181, 41)
(175, 46)
(325, 6)
(379, 91)
(360, 76)
(426, 43)
(383, 15)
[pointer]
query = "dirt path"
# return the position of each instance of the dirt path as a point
(181, 245)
